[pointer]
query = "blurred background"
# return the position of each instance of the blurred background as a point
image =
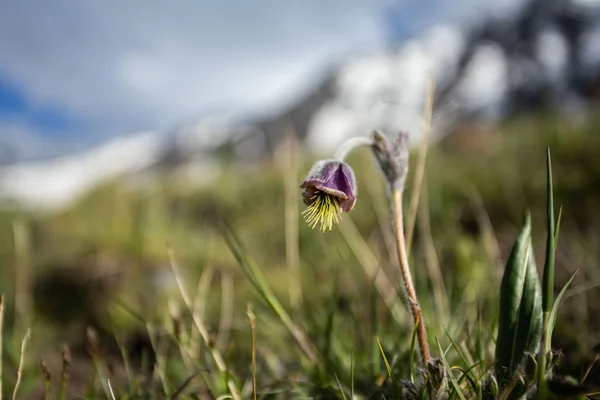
(126, 124)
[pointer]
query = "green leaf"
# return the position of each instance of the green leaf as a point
(520, 320)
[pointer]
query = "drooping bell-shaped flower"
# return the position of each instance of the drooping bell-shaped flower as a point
(329, 189)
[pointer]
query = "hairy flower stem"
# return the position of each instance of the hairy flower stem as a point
(350, 145)
(413, 301)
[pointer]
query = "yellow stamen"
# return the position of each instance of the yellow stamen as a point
(324, 209)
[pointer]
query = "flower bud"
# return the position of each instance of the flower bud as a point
(329, 189)
(392, 157)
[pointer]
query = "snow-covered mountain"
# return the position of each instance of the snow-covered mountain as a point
(485, 73)
(55, 183)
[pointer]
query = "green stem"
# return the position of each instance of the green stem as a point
(548, 283)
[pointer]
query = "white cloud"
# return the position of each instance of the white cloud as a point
(486, 80)
(551, 50)
(146, 64)
(591, 47)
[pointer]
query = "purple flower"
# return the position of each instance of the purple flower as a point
(329, 189)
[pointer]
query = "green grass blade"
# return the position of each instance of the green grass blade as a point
(255, 276)
(455, 384)
(470, 369)
(554, 311)
(375, 358)
(340, 387)
(465, 374)
(352, 376)
(411, 362)
(520, 319)
(458, 350)
(329, 328)
(385, 360)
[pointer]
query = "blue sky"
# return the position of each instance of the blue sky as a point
(75, 72)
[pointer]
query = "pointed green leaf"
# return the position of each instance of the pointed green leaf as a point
(520, 320)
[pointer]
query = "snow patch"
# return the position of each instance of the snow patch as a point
(56, 183)
(385, 90)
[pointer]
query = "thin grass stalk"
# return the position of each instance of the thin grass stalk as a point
(125, 358)
(64, 374)
(374, 273)
(406, 277)
(1, 344)
(199, 304)
(199, 307)
(587, 371)
(47, 379)
(292, 253)
(110, 390)
(227, 308)
(160, 350)
(22, 275)
(340, 387)
(21, 363)
(252, 322)
(432, 262)
(352, 376)
(457, 388)
(216, 355)
(484, 223)
(98, 361)
(420, 168)
(184, 385)
(378, 200)
(257, 279)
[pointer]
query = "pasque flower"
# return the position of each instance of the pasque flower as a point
(329, 189)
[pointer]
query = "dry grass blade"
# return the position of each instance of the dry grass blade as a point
(21, 362)
(160, 348)
(110, 389)
(432, 262)
(374, 273)
(484, 224)
(183, 385)
(252, 322)
(199, 307)
(47, 379)
(216, 355)
(257, 279)
(1, 344)
(292, 252)
(227, 307)
(64, 374)
(22, 275)
(420, 168)
(378, 199)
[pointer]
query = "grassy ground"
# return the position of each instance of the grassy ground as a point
(98, 276)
